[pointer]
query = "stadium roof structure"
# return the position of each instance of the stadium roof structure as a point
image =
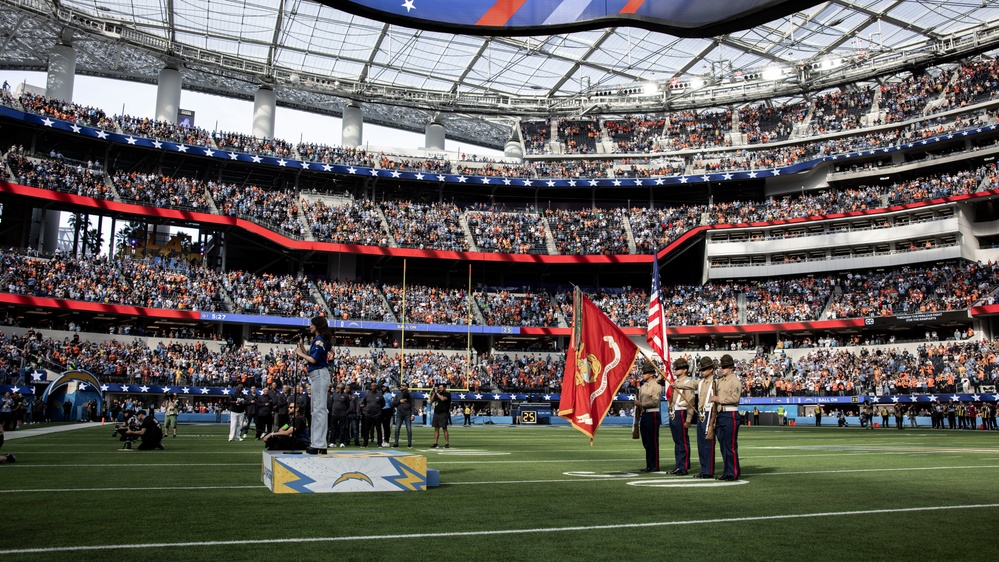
(321, 59)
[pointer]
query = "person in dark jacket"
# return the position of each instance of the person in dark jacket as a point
(265, 413)
(339, 404)
(371, 412)
(403, 403)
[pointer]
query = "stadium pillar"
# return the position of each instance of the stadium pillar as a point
(353, 125)
(513, 149)
(434, 136)
(264, 105)
(168, 95)
(61, 72)
(59, 85)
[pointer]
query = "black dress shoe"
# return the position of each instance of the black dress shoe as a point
(678, 472)
(650, 470)
(314, 451)
(727, 478)
(702, 475)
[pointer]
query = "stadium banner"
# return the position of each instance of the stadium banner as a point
(919, 318)
(988, 394)
(683, 18)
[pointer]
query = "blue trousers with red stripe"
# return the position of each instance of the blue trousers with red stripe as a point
(727, 437)
(705, 449)
(681, 440)
(648, 427)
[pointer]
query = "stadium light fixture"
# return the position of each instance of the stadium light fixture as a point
(772, 73)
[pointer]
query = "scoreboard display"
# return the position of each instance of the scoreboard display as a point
(683, 18)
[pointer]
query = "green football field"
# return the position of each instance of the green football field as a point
(513, 493)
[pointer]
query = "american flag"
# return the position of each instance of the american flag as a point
(656, 335)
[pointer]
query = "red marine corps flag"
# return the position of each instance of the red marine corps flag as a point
(598, 359)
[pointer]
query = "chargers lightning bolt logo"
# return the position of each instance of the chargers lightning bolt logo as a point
(353, 476)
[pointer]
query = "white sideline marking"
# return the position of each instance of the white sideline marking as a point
(130, 465)
(50, 490)
(499, 532)
(686, 483)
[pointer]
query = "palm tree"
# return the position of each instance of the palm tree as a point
(134, 230)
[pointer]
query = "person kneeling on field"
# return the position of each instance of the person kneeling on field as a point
(293, 437)
(149, 431)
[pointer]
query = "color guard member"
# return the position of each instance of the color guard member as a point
(705, 446)
(682, 413)
(649, 397)
(728, 391)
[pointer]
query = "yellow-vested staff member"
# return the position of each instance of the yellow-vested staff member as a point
(650, 395)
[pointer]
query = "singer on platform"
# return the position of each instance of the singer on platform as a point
(319, 380)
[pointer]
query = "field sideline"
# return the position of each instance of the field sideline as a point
(516, 493)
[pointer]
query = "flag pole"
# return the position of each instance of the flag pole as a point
(402, 344)
(468, 359)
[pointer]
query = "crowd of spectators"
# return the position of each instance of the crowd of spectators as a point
(778, 300)
(691, 130)
(976, 81)
(588, 231)
(338, 155)
(357, 222)
(354, 300)
(111, 281)
(517, 308)
(434, 226)
(763, 123)
(278, 209)
(912, 289)
(579, 136)
(536, 134)
(901, 99)
(960, 365)
(936, 367)
(636, 133)
(841, 110)
(654, 228)
(660, 167)
(430, 305)
(172, 284)
(907, 98)
(67, 111)
(270, 295)
(514, 232)
(163, 130)
(58, 174)
(241, 142)
(162, 191)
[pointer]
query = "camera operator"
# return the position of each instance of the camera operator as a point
(149, 431)
(293, 437)
(121, 430)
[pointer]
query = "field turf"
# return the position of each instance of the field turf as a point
(513, 493)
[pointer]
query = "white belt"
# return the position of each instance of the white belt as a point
(730, 408)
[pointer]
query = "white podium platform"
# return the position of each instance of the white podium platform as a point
(377, 470)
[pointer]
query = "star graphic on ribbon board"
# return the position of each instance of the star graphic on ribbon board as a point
(408, 4)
